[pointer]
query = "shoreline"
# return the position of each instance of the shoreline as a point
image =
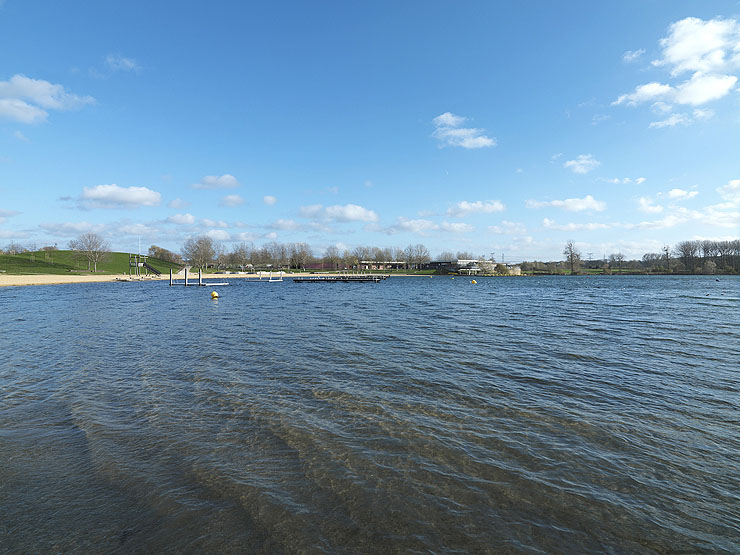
(19, 280)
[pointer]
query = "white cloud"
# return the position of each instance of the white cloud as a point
(644, 93)
(285, 225)
(456, 227)
(231, 200)
(17, 110)
(723, 215)
(419, 226)
(218, 234)
(448, 120)
(119, 63)
(113, 196)
(550, 224)
(138, 229)
(702, 88)
(571, 204)
(632, 55)
(214, 223)
(178, 204)
(661, 108)
(710, 51)
(226, 181)
(463, 208)
(646, 205)
(21, 137)
(699, 114)
(584, 163)
(339, 213)
(8, 213)
(41, 93)
(269, 200)
(182, 219)
(671, 121)
(693, 45)
(731, 191)
(623, 180)
(71, 229)
(680, 194)
(450, 133)
(508, 228)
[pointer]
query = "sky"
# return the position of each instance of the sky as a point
(488, 127)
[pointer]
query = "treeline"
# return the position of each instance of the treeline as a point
(689, 257)
(686, 257)
(204, 252)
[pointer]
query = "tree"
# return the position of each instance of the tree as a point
(299, 254)
(164, 254)
(199, 251)
(240, 255)
(447, 256)
(92, 247)
(617, 259)
(572, 256)
(687, 252)
(486, 266)
(14, 248)
(332, 256)
(667, 257)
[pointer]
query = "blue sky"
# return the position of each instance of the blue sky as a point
(505, 127)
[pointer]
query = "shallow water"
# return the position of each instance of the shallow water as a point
(593, 414)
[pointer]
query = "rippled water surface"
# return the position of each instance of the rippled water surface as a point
(414, 415)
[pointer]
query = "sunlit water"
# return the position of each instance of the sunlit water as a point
(415, 415)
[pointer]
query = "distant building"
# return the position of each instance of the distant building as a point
(381, 265)
(468, 267)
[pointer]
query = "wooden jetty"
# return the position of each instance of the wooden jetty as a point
(200, 281)
(344, 278)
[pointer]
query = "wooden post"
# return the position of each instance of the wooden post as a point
(186, 277)
(170, 277)
(200, 276)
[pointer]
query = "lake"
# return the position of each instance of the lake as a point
(553, 414)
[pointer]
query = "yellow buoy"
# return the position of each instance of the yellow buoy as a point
(214, 295)
(473, 281)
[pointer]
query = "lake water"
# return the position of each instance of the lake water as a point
(554, 414)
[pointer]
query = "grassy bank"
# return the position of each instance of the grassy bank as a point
(65, 262)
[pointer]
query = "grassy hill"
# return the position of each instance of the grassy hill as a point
(65, 262)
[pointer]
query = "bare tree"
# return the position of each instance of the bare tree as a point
(332, 256)
(617, 259)
(92, 247)
(687, 252)
(240, 254)
(486, 266)
(164, 254)
(299, 254)
(14, 248)
(199, 251)
(667, 257)
(572, 256)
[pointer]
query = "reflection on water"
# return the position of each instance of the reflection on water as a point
(552, 414)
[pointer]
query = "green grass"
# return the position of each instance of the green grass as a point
(64, 262)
